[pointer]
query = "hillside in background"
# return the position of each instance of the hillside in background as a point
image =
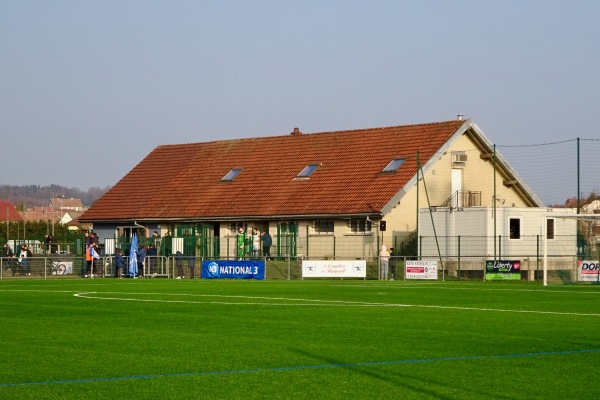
(34, 195)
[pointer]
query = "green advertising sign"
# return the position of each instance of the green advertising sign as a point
(503, 270)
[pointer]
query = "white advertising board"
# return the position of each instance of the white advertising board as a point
(334, 269)
(587, 271)
(420, 269)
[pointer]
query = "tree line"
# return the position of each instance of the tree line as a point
(34, 195)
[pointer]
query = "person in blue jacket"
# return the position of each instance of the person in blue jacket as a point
(192, 265)
(179, 264)
(141, 257)
(119, 263)
(267, 243)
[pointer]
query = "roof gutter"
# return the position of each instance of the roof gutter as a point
(370, 215)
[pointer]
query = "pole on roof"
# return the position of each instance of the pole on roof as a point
(494, 204)
(578, 182)
(437, 243)
(544, 228)
(417, 226)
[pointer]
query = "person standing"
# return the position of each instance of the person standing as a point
(241, 239)
(255, 243)
(192, 266)
(393, 261)
(384, 260)
(141, 258)
(166, 245)
(119, 263)
(156, 241)
(96, 255)
(24, 260)
(267, 243)
(8, 257)
(49, 243)
(151, 256)
(87, 238)
(89, 260)
(179, 264)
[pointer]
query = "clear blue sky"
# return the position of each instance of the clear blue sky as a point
(89, 88)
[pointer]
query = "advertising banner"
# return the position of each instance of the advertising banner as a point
(420, 270)
(241, 269)
(587, 271)
(334, 269)
(503, 270)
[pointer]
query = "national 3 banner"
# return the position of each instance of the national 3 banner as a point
(240, 269)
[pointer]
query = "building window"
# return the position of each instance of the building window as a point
(231, 175)
(394, 165)
(359, 225)
(549, 229)
(323, 226)
(308, 170)
(514, 225)
(234, 228)
(287, 228)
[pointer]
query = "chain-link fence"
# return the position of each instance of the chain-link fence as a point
(559, 269)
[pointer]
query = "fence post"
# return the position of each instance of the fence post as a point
(458, 266)
(499, 247)
(307, 235)
(334, 243)
(537, 258)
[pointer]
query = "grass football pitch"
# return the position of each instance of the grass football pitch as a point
(322, 339)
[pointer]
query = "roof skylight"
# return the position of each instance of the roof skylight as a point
(308, 170)
(231, 174)
(394, 165)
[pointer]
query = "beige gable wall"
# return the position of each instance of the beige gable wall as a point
(477, 174)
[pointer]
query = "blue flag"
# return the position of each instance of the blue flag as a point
(133, 269)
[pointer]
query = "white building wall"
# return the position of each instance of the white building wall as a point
(477, 231)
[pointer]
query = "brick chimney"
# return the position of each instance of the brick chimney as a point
(296, 132)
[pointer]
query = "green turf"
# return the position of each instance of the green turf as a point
(215, 339)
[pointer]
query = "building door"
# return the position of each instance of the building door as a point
(456, 187)
(286, 239)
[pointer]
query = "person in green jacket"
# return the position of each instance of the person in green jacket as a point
(241, 239)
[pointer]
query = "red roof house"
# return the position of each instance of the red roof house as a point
(8, 212)
(343, 176)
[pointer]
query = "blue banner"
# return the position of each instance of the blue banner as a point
(241, 269)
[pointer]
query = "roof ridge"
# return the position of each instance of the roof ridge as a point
(318, 133)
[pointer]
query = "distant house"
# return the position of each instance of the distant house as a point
(593, 227)
(352, 189)
(64, 204)
(59, 210)
(9, 213)
(70, 219)
(41, 214)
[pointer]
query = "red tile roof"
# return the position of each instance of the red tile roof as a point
(8, 212)
(59, 203)
(184, 180)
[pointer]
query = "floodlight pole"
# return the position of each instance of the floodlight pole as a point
(52, 215)
(545, 250)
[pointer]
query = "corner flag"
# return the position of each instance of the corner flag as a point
(133, 269)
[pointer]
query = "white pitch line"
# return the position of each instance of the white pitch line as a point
(393, 286)
(313, 302)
